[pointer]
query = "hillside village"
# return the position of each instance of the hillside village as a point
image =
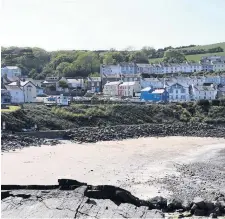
(131, 81)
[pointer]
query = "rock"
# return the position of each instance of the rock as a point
(158, 202)
(213, 215)
(199, 202)
(199, 212)
(193, 208)
(186, 205)
(209, 206)
(69, 184)
(71, 203)
(173, 204)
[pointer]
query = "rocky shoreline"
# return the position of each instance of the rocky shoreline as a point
(13, 142)
(71, 198)
(120, 132)
(109, 133)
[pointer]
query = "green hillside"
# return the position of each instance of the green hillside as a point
(210, 46)
(197, 57)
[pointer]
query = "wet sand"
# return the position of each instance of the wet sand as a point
(131, 164)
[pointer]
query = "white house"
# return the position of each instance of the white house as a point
(75, 83)
(11, 71)
(22, 91)
(17, 95)
(129, 88)
(201, 92)
(178, 92)
(218, 66)
(112, 88)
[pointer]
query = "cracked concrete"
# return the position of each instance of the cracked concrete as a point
(68, 204)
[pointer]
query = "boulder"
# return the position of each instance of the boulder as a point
(199, 202)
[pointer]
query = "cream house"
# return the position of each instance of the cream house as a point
(111, 88)
(129, 88)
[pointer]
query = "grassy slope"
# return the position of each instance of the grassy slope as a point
(197, 57)
(109, 114)
(11, 109)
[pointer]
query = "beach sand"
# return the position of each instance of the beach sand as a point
(131, 164)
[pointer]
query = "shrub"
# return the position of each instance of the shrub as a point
(215, 102)
(203, 103)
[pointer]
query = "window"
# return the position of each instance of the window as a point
(92, 84)
(176, 91)
(177, 97)
(97, 83)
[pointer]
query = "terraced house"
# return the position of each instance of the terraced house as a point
(178, 92)
(218, 66)
(207, 92)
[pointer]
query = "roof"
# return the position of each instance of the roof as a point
(128, 83)
(204, 88)
(12, 67)
(73, 80)
(12, 87)
(144, 65)
(169, 83)
(49, 82)
(95, 78)
(222, 89)
(151, 79)
(146, 89)
(22, 83)
(113, 83)
(158, 91)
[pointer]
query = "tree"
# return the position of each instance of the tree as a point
(173, 56)
(32, 73)
(108, 59)
(62, 58)
(60, 68)
(138, 57)
(63, 84)
(148, 51)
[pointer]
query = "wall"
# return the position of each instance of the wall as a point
(30, 91)
(17, 96)
(52, 134)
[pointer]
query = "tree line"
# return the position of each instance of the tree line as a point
(38, 63)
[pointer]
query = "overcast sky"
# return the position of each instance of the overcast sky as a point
(105, 24)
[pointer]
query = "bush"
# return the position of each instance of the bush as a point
(222, 102)
(203, 103)
(215, 102)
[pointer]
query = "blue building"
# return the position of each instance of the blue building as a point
(213, 79)
(154, 94)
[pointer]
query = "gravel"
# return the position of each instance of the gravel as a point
(90, 134)
(13, 142)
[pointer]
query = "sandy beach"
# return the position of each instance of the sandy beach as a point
(131, 164)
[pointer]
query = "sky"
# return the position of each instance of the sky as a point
(105, 24)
